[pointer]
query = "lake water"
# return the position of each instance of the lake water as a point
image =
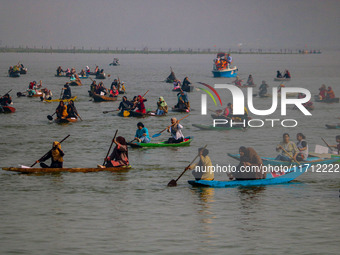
(133, 212)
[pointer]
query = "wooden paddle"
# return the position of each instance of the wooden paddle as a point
(110, 146)
(61, 93)
(5, 94)
(50, 117)
(173, 182)
(110, 111)
(290, 156)
(48, 152)
(158, 134)
(327, 144)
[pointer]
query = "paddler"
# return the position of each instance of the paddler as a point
(289, 147)
(125, 104)
(142, 133)
(93, 87)
(71, 110)
(323, 91)
(278, 74)
(67, 91)
(203, 169)
(56, 155)
(176, 132)
(186, 84)
(250, 81)
(177, 84)
(229, 60)
(302, 145)
(250, 167)
(61, 110)
(337, 138)
(47, 94)
(263, 89)
(120, 155)
(5, 100)
(238, 81)
(183, 101)
(287, 74)
(162, 107)
(330, 93)
(59, 71)
(114, 92)
(139, 104)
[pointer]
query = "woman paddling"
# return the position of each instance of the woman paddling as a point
(139, 104)
(176, 132)
(250, 167)
(61, 111)
(203, 169)
(56, 155)
(289, 147)
(119, 156)
(71, 110)
(162, 107)
(302, 146)
(142, 133)
(124, 105)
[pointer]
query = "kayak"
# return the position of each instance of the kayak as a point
(100, 76)
(206, 127)
(63, 75)
(271, 179)
(328, 101)
(180, 109)
(23, 71)
(114, 64)
(126, 113)
(75, 83)
(336, 126)
(274, 162)
(38, 94)
(7, 109)
(186, 142)
(59, 170)
(65, 121)
(14, 74)
(281, 79)
(58, 100)
(99, 98)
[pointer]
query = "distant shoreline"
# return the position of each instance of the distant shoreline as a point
(147, 51)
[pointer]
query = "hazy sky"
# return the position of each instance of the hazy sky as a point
(173, 23)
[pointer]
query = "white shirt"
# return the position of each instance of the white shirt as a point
(177, 134)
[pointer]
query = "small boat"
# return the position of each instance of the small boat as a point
(186, 142)
(115, 62)
(335, 126)
(83, 77)
(126, 113)
(63, 75)
(23, 70)
(100, 76)
(274, 162)
(227, 71)
(29, 170)
(325, 155)
(190, 89)
(282, 79)
(180, 109)
(326, 100)
(100, 98)
(58, 100)
(217, 127)
(7, 109)
(37, 94)
(65, 121)
(14, 74)
(271, 179)
(75, 83)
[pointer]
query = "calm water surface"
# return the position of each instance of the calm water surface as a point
(134, 212)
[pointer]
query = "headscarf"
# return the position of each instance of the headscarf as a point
(163, 103)
(121, 140)
(56, 153)
(250, 156)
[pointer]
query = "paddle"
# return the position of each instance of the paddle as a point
(173, 182)
(61, 93)
(48, 151)
(126, 113)
(158, 134)
(290, 156)
(6, 94)
(110, 147)
(110, 111)
(327, 144)
(50, 117)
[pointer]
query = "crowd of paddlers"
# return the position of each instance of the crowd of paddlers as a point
(135, 107)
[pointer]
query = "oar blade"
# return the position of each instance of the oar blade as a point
(172, 183)
(156, 135)
(49, 117)
(126, 113)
